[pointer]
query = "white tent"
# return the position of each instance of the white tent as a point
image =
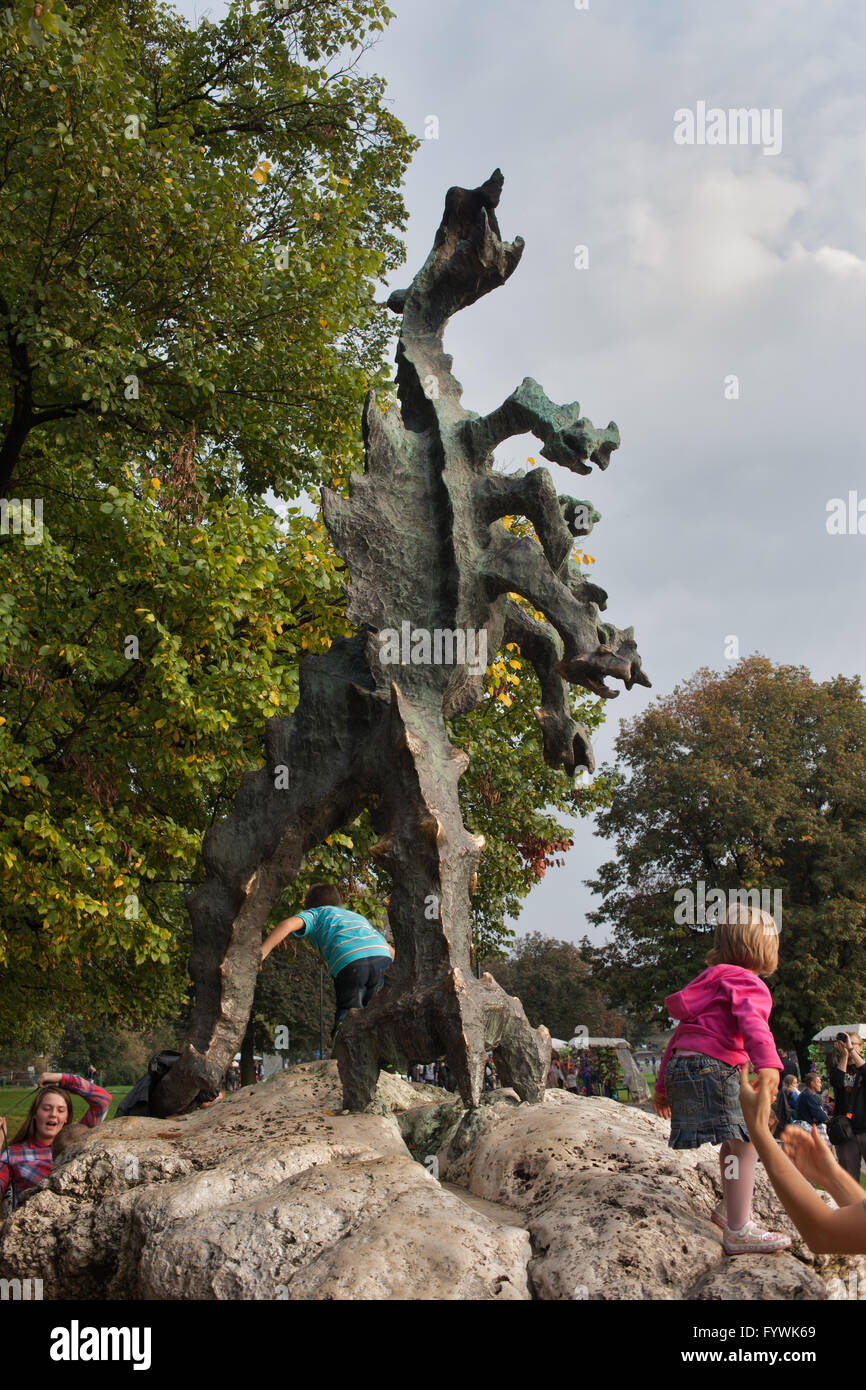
(828, 1034)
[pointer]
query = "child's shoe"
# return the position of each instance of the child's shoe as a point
(751, 1240)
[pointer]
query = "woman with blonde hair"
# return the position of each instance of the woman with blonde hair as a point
(28, 1158)
(724, 1023)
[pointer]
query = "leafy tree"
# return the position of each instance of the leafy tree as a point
(751, 779)
(196, 223)
(161, 360)
(81, 1045)
(197, 219)
(555, 984)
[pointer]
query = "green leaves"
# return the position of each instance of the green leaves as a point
(129, 203)
(162, 377)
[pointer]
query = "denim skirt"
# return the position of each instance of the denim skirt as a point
(704, 1096)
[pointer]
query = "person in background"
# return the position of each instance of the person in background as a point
(790, 1065)
(786, 1102)
(809, 1110)
(555, 1079)
(28, 1158)
(848, 1079)
(356, 955)
(801, 1160)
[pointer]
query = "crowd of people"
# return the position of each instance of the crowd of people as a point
(579, 1073)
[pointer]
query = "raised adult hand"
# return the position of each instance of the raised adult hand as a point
(809, 1154)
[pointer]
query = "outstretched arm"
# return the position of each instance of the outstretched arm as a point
(826, 1232)
(280, 932)
(98, 1100)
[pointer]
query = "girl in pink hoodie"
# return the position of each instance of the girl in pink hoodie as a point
(723, 1026)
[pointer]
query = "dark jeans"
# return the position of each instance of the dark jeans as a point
(849, 1155)
(356, 984)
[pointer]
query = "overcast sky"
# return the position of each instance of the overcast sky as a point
(706, 261)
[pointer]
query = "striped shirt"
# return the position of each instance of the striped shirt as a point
(30, 1163)
(341, 936)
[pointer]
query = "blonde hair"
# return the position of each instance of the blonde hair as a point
(746, 936)
(789, 1083)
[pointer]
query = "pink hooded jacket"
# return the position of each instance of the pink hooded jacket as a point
(723, 1013)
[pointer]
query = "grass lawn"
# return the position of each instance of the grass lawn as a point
(15, 1102)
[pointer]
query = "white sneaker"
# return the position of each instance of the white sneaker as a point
(751, 1240)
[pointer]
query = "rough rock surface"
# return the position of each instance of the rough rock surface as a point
(615, 1214)
(276, 1194)
(272, 1194)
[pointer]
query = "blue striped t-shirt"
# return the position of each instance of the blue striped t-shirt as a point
(341, 936)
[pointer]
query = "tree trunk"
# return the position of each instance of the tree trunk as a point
(248, 1063)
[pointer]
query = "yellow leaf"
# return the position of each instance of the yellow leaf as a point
(274, 697)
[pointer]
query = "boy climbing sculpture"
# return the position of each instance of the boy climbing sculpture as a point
(420, 535)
